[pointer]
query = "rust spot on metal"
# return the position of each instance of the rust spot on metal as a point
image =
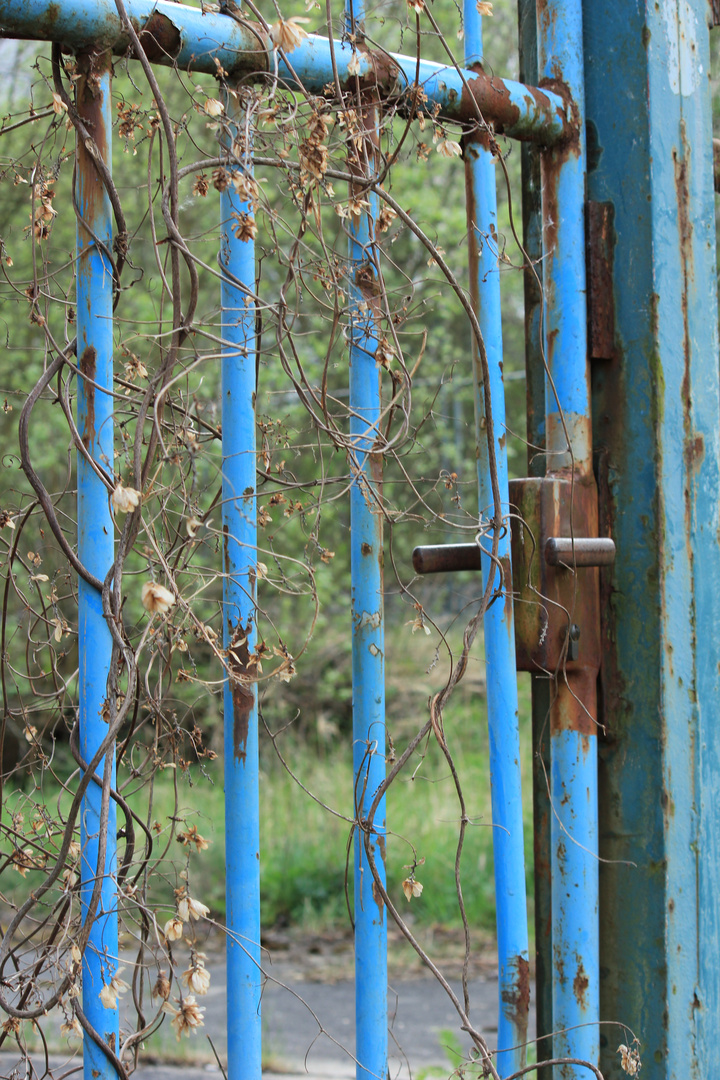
(683, 203)
(242, 696)
(580, 985)
(366, 548)
(88, 364)
(160, 38)
(377, 897)
(226, 549)
(694, 452)
(601, 302)
(685, 231)
(91, 66)
(382, 846)
(572, 595)
(89, 98)
(50, 17)
(366, 280)
(517, 997)
(492, 98)
(507, 590)
(552, 161)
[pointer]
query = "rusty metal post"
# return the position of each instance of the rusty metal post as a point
(657, 409)
(367, 607)
(573, 709)
(242, 813)
(95, 539)
(499, 626)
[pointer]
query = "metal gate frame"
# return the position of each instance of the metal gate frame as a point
(650, 394)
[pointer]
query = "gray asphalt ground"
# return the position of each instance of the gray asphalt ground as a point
(419, 1014)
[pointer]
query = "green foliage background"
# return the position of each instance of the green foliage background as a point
(439, 505)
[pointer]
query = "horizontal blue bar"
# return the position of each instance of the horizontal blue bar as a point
(192, 39)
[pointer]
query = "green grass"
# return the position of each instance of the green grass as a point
(304, 846)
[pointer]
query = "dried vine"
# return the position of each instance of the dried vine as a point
(161, 597)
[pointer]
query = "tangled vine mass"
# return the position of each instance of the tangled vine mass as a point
(322, 164)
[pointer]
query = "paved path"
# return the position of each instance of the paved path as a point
(419, 1013)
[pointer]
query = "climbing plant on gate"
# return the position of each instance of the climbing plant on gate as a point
(323, 170)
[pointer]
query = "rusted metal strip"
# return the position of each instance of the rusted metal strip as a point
(601, 301)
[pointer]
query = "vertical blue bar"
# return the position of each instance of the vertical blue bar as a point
(573, 741)
(95, 546)
(560, 48)
(368, 668)
(242, 827)
(368, 648)
(499, 625)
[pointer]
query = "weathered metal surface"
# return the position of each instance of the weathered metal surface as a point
(239, 521)
(367, 612)
(601, 309)
(95, 541)
(567, 395)
(573, 552)
(553, 596)
(194, 38)
(498, 624)
(573, 708)
(658, 419)
(446, 558)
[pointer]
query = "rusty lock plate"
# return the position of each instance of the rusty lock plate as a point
(557, 607)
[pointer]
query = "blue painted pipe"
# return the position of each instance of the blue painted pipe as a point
(368, 671)
(192, 38)
(573, 738)
(499, 626)
(95, 549)
(563, 180)
(239, 520)
(368, 649)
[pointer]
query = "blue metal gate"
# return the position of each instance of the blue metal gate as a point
(615, 122)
